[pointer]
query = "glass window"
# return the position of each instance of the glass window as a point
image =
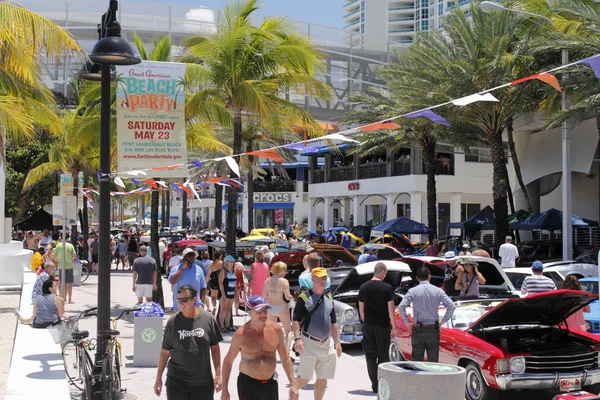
(425, 25)
(440, 8)
(424, 13)
(443, 218)
(362, 28)
(468, 210)
(403, 210)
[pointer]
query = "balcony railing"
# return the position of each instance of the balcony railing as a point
(350, 3)
(401, 19)
(275, 186)
(401, 8)
(352, 24)
(339, 174)
(401, 30)
(373, 170)
(318, 176)
(401, 167)
(352, 13)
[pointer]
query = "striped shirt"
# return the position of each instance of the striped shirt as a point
(538, 284)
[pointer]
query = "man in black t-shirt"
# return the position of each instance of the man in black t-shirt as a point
(376, 307)
(451, 274)
(188, 337)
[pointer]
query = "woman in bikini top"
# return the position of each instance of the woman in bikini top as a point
(277, 292)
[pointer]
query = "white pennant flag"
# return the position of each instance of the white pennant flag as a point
(119, 182)
(474, 98)
(233, 165)
(162, 183)
(337, 136)
(193, 189)
(134, 172)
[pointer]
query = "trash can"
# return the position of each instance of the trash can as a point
(413, 380)
(148, 331)
(76, 273)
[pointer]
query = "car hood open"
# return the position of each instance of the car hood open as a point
(333, 252)
(549, 309)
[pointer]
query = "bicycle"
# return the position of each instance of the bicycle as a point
(85, 271)
(84, 375)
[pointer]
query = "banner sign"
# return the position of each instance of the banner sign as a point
(66, 187)
(151, 119)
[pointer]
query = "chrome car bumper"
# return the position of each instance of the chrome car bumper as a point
(350, 332)
(544, 381)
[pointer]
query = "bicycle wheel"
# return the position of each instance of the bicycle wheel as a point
(71, 360)
(85, 273)
(117, 373)
(86, 373)
(107, 381)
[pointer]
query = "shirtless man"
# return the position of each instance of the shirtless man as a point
(258, 340)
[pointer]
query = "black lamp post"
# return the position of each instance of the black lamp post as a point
(110, 50)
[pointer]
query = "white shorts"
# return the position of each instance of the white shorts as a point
(319, 358)
(143, 290)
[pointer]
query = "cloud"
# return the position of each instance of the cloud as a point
(200, 19)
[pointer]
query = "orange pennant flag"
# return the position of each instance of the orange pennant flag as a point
(379, 126)
(187, 190)
(150, 182)
(270, 154)
(544, 77)
(165, 168)
(215, 180)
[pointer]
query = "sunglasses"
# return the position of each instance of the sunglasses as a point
(56, 280)
(183, 299)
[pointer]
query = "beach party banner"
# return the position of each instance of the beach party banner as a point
(151, 119)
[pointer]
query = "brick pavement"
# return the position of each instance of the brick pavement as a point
(351, 382)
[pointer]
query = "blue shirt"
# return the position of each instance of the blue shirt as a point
(426, 299)
(204, 264)
(346, 241)
(305, 280)
(363, 258)
(193, 276)
(331, 238)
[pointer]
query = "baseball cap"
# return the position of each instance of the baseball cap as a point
(188, 251)
(449, 255)
(229, 259)
(537, 265)
(367, 247)
(143, 249)
(264, 248)
(257, 303)
(319, 272)
(465, 246)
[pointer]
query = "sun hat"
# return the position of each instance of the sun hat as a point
(319, 272)
(264, 248)
(229, 259)
(466, 261)
(449, 255)
(188, 251)
(257, 303)
(537, 265)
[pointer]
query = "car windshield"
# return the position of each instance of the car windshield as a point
(516, 279)
(591, 287)
(466, 314)
(527, 250)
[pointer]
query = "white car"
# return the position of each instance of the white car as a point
(518, 275)
(579, 269)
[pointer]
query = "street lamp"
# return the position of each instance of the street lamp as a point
(567, 223)
(110, 50)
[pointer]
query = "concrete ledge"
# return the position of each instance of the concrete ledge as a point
(36, 369)
(13, 259)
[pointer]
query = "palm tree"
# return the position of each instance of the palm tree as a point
(248, 68)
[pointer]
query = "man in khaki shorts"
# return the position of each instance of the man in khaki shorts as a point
(314, 327)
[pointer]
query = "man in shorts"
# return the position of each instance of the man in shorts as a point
(258, 340)
(68, 254)
(144, 275)
(314, 327)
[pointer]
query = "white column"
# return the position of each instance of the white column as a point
(327, 213)
(455, 202)
(312, 224)
(391, 211)
(357, 211)
(416, 211)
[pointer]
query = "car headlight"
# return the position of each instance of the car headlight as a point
(349, 315)
(517, 365)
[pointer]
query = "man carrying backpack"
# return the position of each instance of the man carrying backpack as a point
(314, 327)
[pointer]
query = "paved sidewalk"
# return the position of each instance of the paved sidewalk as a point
(351, 382)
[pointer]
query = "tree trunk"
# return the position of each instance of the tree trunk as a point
(143, 210)
(157, 295)
(232, 191)
(184, 199)
(163, 221)
(85, 225)
(250, 191)
(517, 166)
(499, 183)
(430, 166)
(168, 209)
(218, 206)
(75, 175)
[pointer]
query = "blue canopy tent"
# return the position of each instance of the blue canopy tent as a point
(482, 220)
(550, 220)
(401, 225)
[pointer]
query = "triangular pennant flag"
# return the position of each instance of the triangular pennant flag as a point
(119, 182)
(544, 77)
(429, 114)
(379, 126)
(215, 180)
(186, 189)
(233, 165)
(135, 173)
(301, 147)
(150, 182)
(162, 183)
(594, 63)
(166, 168)
(337, 136)
(269, 153)
(197, 164)
(193, 189)
(474, 98)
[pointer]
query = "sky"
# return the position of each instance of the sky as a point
(323, 12)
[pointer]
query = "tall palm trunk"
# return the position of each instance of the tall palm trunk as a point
(75, 175)
(184, 217)
(164, 222)
(499, 182)
(517, 166)
(232, 191)
(157, 295)
(143, 210)
(250, 191)
(430, 166)
(218, 206)
(85, 226)
(168, 209)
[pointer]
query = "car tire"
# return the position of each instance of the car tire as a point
(394, 353)
(476, 387)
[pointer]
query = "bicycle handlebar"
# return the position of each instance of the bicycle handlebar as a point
(127, 311)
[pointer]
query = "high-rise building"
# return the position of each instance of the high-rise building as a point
(394, 20)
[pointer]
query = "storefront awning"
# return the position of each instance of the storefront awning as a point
(224, 207)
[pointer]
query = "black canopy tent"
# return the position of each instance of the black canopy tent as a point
(401, 225)
(482, 220)
(37, 221)
(550, 220)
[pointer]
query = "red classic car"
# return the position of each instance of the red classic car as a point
(515, 344)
